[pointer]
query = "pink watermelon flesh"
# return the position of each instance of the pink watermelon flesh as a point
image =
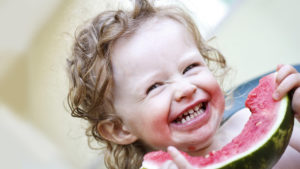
(262, 106)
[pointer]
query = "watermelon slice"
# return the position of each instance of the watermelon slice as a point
(262, 141)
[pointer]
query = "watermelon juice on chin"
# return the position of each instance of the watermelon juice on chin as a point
(260, 144)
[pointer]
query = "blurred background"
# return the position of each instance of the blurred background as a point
(37, 131)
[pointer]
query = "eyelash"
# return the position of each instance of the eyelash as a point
(190, 67)
(155, 85)
(152, 87)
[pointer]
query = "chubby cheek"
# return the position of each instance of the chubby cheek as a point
(156, 134)
(213, 88)
(153, 126)
(219, 101)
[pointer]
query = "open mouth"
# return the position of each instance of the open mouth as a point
(191, 113)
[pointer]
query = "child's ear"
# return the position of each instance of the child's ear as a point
(117, 133)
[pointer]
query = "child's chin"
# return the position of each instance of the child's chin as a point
(197, 149)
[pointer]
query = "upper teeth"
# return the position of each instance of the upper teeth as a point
(190, 114)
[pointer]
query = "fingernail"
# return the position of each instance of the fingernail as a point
(276, 95)
(171, 148)
(279, 66)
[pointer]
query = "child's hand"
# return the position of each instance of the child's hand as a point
(178, 162)
(288, 79)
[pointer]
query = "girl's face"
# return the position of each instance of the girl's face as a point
(164, 92)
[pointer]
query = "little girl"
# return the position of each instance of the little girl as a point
(144, 81)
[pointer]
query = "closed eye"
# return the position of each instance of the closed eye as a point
(152, 87)
(190, 67)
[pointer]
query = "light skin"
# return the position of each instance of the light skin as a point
(159, 74)
(287, 79)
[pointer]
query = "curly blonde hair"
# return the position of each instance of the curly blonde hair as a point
(90, 70)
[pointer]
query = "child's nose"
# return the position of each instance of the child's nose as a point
(184, 90)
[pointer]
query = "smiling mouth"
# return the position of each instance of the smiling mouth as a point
(191, 113)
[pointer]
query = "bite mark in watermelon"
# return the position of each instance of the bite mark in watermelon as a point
(262, 141)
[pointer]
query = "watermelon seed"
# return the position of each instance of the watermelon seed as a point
(258, 123)
(261, 106)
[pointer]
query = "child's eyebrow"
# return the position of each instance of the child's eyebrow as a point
(146, 80)
(150, 78)
(192, 55)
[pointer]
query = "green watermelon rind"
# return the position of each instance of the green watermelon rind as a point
(267, 155)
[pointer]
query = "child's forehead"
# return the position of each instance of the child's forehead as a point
(150, 37)
(152, 29)
(157, 23)
(155, 40)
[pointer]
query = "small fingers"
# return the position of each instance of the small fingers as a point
(169, 165)
(178, 158)
(296, 103)
(283, 71)
(279, 66)
(287, 84)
